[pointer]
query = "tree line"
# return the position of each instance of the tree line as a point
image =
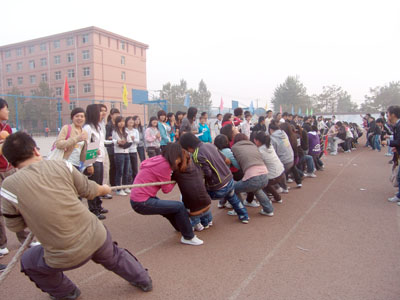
(292, 95)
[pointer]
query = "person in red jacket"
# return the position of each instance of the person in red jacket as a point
(6, 169)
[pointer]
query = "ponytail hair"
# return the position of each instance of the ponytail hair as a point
(263, 138)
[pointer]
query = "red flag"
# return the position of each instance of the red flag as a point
(66, 91)
(221, 105)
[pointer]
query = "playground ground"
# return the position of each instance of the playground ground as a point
(335, 238)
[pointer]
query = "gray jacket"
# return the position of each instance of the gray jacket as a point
(283, 149)
(247, 155)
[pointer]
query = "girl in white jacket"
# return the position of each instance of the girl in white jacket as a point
(276, 170)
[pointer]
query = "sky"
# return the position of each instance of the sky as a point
(242, 49)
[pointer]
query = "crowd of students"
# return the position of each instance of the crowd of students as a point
(245, 165)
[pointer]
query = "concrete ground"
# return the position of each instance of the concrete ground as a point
(336, 238)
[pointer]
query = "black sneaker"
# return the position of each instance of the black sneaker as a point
(2, 267)
(103, 211)
(71, 296)
(101, 217)
(147, 287)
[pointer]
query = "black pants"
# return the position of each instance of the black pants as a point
(112, 166)
(134, 164)
(141, 154)
(95, 204)
(153, 151)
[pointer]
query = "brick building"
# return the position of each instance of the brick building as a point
(96, 62)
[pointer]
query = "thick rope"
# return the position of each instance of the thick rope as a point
(29, 239)
(113, 188)
(16, 257)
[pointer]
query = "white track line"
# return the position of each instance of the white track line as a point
(266, 259)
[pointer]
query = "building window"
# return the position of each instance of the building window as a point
(19, 66)
(112, 104)
(43, 47)
(58, 75)
(71, 73)
(85, 38)
(86, 88)
(123, 76)
(32, 92)
(32, 64)
(72, 89)
(57, 59)
(9, 82)
(32, 79)
(72, 105)
(19, 51)
(122, 43)
(70, 41)
(31, 49)
(70, 57)
(20, 80)
(44, 77)
(8, 68)
(43, 62)
(58, 91)
(56, 44)
(85, 54)
(7, 54)
(86, 71)
(123, 60)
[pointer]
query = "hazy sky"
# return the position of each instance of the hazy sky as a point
(242, 49)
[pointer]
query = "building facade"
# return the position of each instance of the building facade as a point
(96, 63)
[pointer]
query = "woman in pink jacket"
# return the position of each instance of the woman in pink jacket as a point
(144, 200)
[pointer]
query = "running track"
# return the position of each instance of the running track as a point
(328, 240)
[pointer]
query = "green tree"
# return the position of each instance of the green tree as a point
(291, 93)
(334, 99)
(382, 97)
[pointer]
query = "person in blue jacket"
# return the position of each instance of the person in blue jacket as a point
(204, 131)
(164, 128)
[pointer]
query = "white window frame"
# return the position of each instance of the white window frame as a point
(70, 57)
(56, 75)
(43, 59)
(85, 54)
(86, 71)
(87, 88)
(56, 44)
(71, 73)
(57, 59)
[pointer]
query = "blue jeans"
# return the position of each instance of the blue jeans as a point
(389, 148)
(228, 193)
(377, 142)
(205, 218)
(174, 211)
(255, 185)
(308, 159)
(122, 165)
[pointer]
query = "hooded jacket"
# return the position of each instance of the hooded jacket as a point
(314, 143)
(272, 161)
(193, 190)
(154, 169)
(247, 155)
(212, 163)
(281, 144)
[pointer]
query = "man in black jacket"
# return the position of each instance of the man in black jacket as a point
(394, 119)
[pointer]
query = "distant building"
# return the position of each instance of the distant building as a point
(96, 62)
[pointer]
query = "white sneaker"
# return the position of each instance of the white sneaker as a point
(221, 205)
(210, 223)
(195, 241)
(312, 175)
(4, 251)
(285, 191)
(228, 205)
(299, 185)
(128, 191)
(290, 180)
(253, 203)
(33, 244)
(279, 190)
(388, 154)
(121, 193)
(266, 214)
(232, 213)
(394, 199)
(198, 227)
(333, 153)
